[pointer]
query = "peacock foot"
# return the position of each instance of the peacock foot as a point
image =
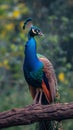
(38, 97)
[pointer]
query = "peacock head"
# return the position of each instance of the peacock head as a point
(33, 30)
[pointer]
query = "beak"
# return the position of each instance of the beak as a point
(41, 34)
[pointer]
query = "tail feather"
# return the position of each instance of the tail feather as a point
(45, 125)
(49, 125)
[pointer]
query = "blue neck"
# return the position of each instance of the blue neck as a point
(31, 62)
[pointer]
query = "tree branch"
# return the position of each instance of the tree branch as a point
(34, 113)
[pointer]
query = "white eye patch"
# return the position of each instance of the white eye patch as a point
(33, 31)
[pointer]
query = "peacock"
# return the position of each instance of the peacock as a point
(39, 73)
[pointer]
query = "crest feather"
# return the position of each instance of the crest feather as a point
(28, 23)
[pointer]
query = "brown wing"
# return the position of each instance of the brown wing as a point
(32, 91)
(50, 74)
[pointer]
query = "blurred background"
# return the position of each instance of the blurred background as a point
(55, 19)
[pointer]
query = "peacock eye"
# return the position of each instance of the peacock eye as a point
(35, 30)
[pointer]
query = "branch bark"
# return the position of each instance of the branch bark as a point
(34, 113)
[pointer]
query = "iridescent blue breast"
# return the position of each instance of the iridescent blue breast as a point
(34, 78)
(32, 67)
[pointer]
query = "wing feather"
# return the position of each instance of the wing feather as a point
(50, 74)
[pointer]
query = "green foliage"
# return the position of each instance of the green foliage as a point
(56, 20)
